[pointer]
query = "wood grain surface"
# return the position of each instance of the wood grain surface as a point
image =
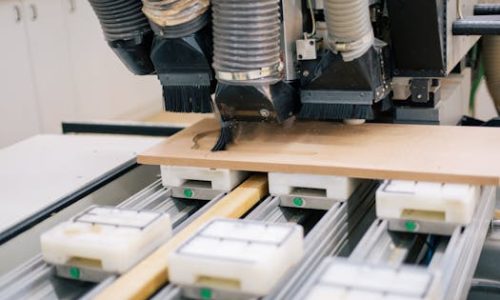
(378, 151)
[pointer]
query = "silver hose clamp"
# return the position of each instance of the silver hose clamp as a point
(251, 75)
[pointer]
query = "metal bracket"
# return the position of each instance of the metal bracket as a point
(199, 190)
(419, 226)
(196, 292)
(425, 90)
(305, 200)
(82, 273)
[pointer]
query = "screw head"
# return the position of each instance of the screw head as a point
(74, 272)
(265, 113)
(205, 293)
(298, 201)
(411, 226)
(188, 193)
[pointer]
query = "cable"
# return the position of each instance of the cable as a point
(485, 284)
(478, 75)
(431, 242)
(313, 19)
(459, 9)
(349, 26)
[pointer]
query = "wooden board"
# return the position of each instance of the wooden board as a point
(380, 151)
(152, 273)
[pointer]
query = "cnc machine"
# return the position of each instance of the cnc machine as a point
(311, 236)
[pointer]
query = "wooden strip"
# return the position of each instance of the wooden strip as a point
(376, 151)
(152, 273)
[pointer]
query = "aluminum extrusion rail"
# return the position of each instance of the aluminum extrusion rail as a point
(36, 279)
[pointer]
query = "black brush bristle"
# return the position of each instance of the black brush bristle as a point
(323, 111)
(187, 98)
(225, 137)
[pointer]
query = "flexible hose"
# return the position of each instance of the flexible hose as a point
(246, 40)
(127, 32)
(349, 27)
(491, 52)
(172, 13)
(120, 20)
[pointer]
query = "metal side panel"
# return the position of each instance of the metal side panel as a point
(457, 46)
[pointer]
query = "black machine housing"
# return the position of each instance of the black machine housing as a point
(410, 42)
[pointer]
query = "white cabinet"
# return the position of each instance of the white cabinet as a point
(106, 89)
(18, 107)
(55, 65)
(51, 62)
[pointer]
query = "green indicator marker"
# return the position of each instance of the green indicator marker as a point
(74, 272)
(188, 193)
(205, 293)
(297, 201)
(411, 225)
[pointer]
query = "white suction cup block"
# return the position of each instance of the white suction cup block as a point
(106, 238)
(453, 203)
(237, 255)
(342, 279)
(330, 293)
(220, 179)
(334, 187)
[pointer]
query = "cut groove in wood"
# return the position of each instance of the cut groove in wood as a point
(375, 151)
(152, 273)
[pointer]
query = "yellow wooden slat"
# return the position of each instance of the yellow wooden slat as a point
(497, 214)
(152, 273)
